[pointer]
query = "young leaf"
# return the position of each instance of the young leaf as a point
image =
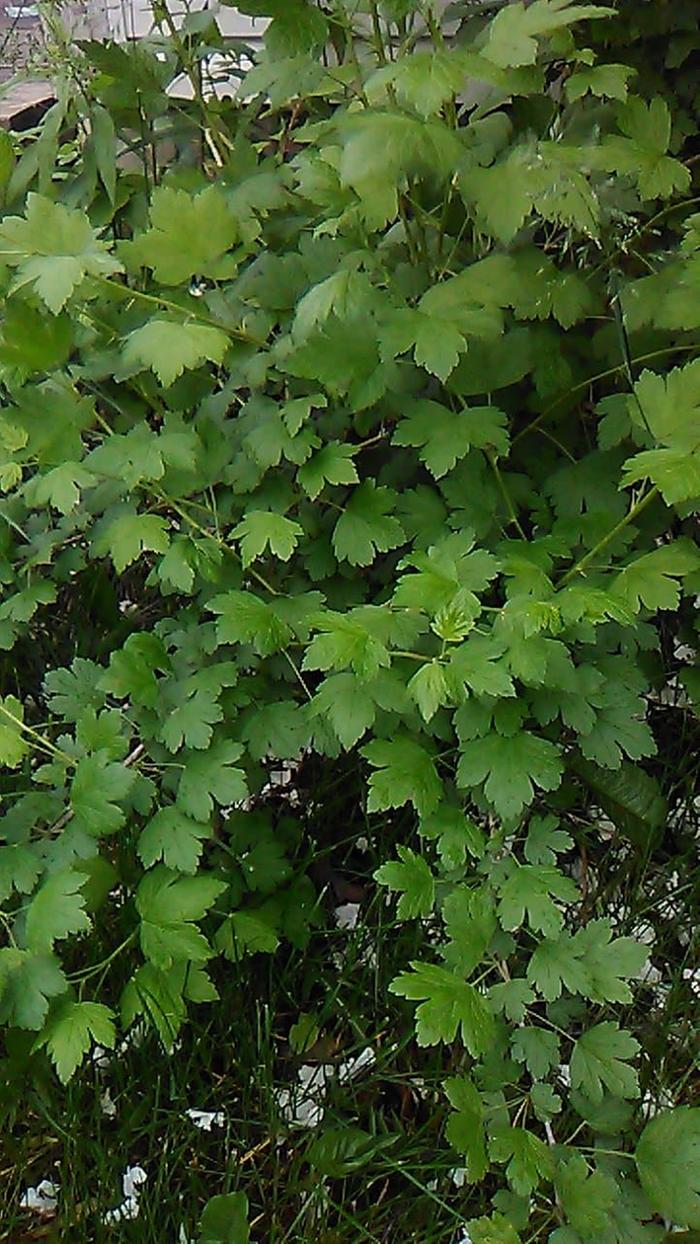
(447, 1005)
(225, 1220)
(600, 1061)
(209, 776)
(27, 982)
(465, 1128)
(668, 1164)
(428, 687)
(510, 768)
(532, 888)
(513, 34)
(56, 910)
(169, 347)
(13, 744)
(53, 248)
(70, 1031)
(404, 773)
(366, 526)
(261, 529)
(174, 838)
(190, 235)
(529, 1158)
(411, 875)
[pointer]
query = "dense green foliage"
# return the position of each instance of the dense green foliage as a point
(351, 434)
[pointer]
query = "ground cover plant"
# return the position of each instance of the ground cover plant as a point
(350, 459)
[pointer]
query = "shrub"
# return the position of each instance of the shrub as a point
(359, 441)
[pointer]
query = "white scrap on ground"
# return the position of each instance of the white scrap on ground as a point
(346, 915)
(43, 1199)
(205, 1120)
(304, 1105)
(132, 1179)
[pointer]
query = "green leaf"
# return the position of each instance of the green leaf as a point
(190, 235)
(600, 1061)
(513, 34)
(191, 721)
(169, 347)
(344, 642)
(529, 1159)
(331, 465)
(512, 997)
(13, 744)
(70, 1031)
(99, 785)
(494, 1230)
(537, 1048)
(366, 527)
(245, 618)
(455, 834)
(667, 1158)
(211, 776)
(650, 581)
(225, 1220)
(428, 687)
(410, 875)
(532, 889)
(27, 982)
(448, 1005)
(630, 797)
(448, 574)
(465, 1128)
(675, 473)
(590, 963)
(344, 701)
(168, 906)
(470, 924)
(61, 486)
(510, 768)
(444, 436)
(262, 529)
(605, 81)
(20, 868)
(53, 248)
(247, 932)
(424, 81)
(174, 838)
(125, 536)
(641, 153)
(56, 910)
(405, 773)
(104, 147)
(341, 1151)
(586, 1197)
(132, 670)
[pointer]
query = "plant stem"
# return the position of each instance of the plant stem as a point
(128, 291)
(629, 517)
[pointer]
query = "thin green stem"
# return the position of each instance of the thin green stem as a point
(33, 734)
(128, 291)
(629, 517)
(602, 375)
